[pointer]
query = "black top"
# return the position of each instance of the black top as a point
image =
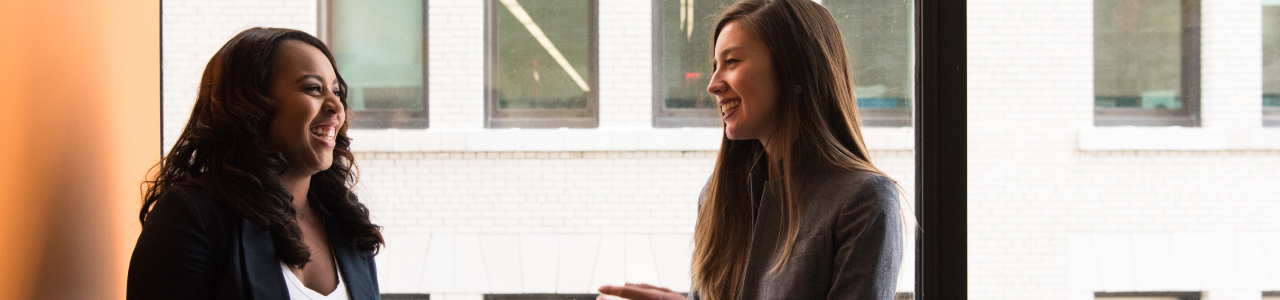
(194, 247)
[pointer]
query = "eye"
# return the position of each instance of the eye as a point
(340, 93)
(312, 89)
(729, 62)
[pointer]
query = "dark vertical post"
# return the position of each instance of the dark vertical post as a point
(941, 160)
(1190, 40)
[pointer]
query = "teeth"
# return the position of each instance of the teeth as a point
(724, 109)
(328, 134)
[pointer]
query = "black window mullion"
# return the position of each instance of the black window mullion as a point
(941, 141)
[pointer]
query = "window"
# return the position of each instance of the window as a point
(878, 38)
(380, 47)
(1146, 62)
(682, 63)
(1147, 296)
(1271, 62)
(541, 64)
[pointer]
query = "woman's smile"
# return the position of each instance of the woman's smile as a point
(325, 132)
(728, 106)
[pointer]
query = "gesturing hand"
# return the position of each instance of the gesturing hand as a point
(640, 291)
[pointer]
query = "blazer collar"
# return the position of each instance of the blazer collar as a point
(355, 265)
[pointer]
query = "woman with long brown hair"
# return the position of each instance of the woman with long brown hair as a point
(255, 200)
(794, 209)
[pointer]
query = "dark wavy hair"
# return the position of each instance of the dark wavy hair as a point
(225, 145)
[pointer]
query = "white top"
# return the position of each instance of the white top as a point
(297, 291)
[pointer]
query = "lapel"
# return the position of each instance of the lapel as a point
(259, 264)
(356, 266)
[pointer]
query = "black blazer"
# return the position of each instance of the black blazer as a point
(194, 247)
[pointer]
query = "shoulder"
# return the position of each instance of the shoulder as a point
(187, 205)
(850, 191)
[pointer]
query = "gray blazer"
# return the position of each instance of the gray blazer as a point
(849, 245)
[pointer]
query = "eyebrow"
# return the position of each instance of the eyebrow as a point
(730, 49)
(304, 77)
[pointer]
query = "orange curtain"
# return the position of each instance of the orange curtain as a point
(79, 127)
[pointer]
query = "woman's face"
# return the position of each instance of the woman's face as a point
(744, 84)
(309, 112)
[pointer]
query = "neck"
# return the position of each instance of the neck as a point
(297, 184)
(771, 151)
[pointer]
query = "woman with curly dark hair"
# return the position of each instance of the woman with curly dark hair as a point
(254, 201)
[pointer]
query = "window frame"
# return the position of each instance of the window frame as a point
(380, 119)
(1179, 295)
(495, 117)
(1270, 116)
(941, 149)
(1188, 88)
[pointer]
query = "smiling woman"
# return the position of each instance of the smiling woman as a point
(794, 209)
(259, 184)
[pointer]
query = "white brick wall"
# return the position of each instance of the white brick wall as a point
(455, 53)
(1049, 221)
(193, 30)
(626, 69)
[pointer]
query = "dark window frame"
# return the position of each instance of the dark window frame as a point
(495, 117)
(1189, 86)
(1179, 295)
(941, 159)
(381, 119)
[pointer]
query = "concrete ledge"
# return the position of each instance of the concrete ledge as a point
(567, 139)
(1177, 138)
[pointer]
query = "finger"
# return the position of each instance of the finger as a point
(636, 293)
(647, 286)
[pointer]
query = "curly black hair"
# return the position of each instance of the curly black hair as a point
(225, 145)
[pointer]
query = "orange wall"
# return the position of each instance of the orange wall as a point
(79, 127)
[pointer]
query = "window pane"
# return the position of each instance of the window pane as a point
(379, 49)
(544, 60)
(1271, 62)
(878, 38)
(1146, 62)
(1137, 53)
(686, 27)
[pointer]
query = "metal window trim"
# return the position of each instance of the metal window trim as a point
(381, 119)
(495, 117)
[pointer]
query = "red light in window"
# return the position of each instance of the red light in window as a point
(692, 75)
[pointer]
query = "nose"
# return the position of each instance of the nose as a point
(333, 104)
(717, 85)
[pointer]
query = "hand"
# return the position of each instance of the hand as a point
(640, 291)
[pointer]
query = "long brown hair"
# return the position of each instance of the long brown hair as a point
(225, 145)
(817, 128)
